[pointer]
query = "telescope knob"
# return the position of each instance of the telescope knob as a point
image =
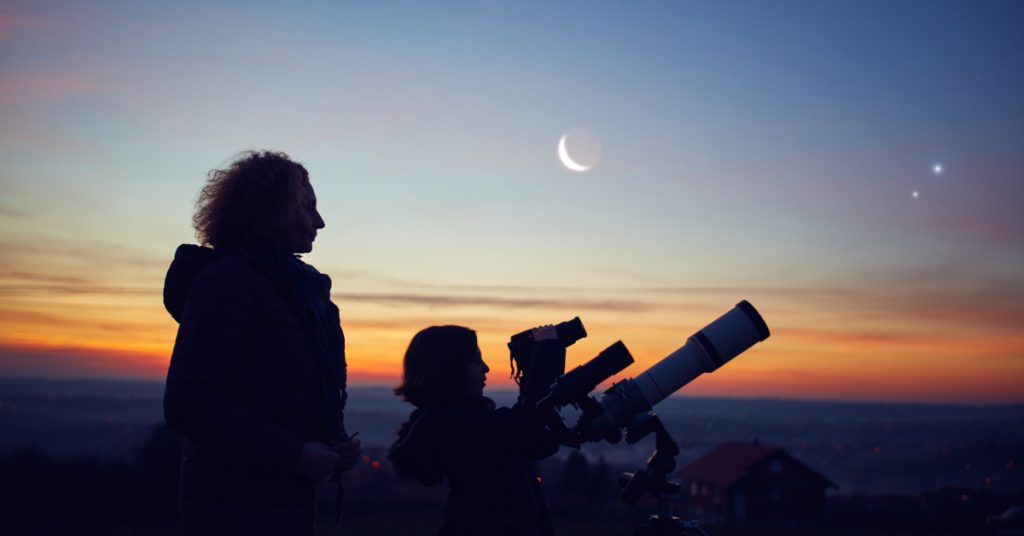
(634, 485)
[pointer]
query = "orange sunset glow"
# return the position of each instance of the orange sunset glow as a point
(827, 344)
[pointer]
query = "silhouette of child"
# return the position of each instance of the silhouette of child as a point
(458, 434)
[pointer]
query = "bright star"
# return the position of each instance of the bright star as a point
(915, 194)
(937, 169)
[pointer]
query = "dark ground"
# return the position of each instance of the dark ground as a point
(88, 457)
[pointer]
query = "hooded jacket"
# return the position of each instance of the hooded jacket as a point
(485, 454)
(243, 388)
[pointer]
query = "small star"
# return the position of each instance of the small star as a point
(915, 194)
(937, 169)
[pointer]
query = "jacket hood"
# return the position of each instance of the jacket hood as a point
(189, 261)
(415, 453)
(423, 440)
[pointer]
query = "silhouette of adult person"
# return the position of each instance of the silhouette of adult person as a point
(257, 379)
(458, 434)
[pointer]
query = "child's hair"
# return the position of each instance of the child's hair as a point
(435, 363)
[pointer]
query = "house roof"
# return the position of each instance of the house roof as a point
(728, 462)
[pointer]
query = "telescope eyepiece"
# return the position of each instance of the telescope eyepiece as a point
(520, 345)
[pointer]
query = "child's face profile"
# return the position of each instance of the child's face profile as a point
(476, 376)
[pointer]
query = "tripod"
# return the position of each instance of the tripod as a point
(654, 480)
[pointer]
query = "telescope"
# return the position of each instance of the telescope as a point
(627, 403)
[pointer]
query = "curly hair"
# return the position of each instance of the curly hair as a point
(255, 199)
(434, 364)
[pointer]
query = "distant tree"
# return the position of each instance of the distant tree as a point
(576, 477)
(24, 485)
(600, 480)
(157, 464)
(43, 493)
(35, 490)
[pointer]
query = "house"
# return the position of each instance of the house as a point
(754, 483)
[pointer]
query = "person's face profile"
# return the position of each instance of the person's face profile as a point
(476, 376)
(307, 221)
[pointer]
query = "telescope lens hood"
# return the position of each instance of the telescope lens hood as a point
(755, 318)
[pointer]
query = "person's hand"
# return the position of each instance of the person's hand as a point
(348, 453)
(318, 462)
(544, 333)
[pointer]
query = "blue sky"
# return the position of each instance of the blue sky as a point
(767, 151)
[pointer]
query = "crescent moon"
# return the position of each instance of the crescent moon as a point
(567, 161)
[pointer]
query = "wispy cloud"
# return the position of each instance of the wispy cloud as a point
(437, 300)
(10, 213)
(11, 24)
(941, 294)
(22, 87)
(376, 278)
(77, 282)
(32, 278)
(836, 337)
(27, 250)
(58, 290)
(71, 362)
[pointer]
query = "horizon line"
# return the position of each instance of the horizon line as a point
(809, 400)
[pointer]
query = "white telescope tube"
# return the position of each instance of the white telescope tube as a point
(713, 346)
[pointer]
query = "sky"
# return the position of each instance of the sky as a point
(853, 169)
